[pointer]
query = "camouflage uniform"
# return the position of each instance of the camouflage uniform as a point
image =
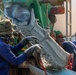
(6, 27)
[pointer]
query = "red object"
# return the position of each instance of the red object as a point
(70, 62)
(43, 67)
(57, 10)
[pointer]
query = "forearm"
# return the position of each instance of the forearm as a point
(16, 61)
(17, 48)
(8, 55)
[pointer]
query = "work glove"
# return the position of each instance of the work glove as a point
(30, 50)
(27, 39)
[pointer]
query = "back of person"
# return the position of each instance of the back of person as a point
(71, 48)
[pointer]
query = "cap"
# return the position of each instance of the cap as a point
(59, 34)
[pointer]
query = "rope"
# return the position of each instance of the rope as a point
(43, 67)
